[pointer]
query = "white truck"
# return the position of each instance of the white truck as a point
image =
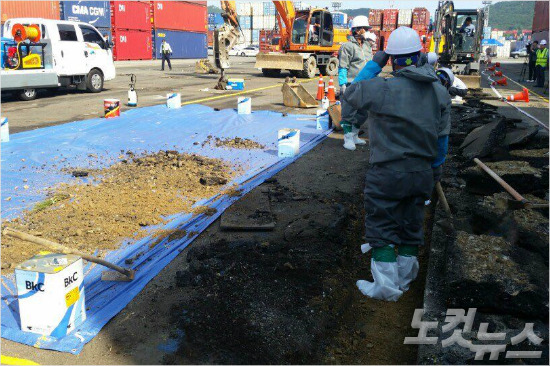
(75, 54)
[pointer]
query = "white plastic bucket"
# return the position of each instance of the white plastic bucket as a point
(5, 130)
(289, 142)
(244, 105)
(173, 100)
(323, 120)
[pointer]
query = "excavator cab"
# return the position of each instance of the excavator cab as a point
(312, 28)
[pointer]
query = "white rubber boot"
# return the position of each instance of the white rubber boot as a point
(408, 270)
(385, 286)
(356, 139)
(348, 141)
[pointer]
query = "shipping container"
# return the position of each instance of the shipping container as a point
(245, 21)
(183, 44)
(375, 17)
(339, 18)
(540, 18)
(421, 16)
(179, 15)
(96, 13)
(269, 41)
(405, 17)
(269, 8)
(130, 15)
(29, 9)
(244, 9)
(215, 18)
(210, 38)
(389, 21)
(130, 44)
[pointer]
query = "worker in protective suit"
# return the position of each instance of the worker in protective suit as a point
(406, 116)
(352, 57)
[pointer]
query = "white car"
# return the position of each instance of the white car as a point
(250, 51)
(74, 53)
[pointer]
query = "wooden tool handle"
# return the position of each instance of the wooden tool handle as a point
(500, 181)
(443, 199)
(58, 248)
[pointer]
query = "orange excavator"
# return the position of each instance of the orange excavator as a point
(309, 41)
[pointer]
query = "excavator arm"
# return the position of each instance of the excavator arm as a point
(225, 39)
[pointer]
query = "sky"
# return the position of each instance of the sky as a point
(431, 5)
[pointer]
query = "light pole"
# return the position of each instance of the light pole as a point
(487, 3)
(336, 5)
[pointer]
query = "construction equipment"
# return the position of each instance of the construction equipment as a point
(296, 96)
(124, 274)
(457, 42)
(308, 42)
(225, 39)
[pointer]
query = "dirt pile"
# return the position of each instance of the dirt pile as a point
(117, 202)
(497, 259)
(233, 143)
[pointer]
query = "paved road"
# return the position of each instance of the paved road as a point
(59, 106)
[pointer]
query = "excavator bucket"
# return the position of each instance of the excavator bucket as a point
(471, 81)
(279, 61)
(296, 96)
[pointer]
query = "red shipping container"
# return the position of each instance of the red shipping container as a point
(210, 38)
(375, 17)
(421, 16)
(130, 15)
(540, 19)
(419, 28)
(390, 19)
(179, 15)
(30, 9)
(132, 44)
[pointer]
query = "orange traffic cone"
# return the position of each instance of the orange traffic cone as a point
(492, 68)
(497, 73)
(522, 96)
(321, 88)
(502, 81)
(497, 64)
(331, 94)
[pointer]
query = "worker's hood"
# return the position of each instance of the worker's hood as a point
(424, 73)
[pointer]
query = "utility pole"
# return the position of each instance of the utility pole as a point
(486, 3)
(336, 5)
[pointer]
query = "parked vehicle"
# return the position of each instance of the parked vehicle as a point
(519, 53)
(65, 53)
(250, 51)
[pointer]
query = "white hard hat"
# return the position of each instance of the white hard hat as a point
(543, 42)
(432, 58)
(450, 75)
(371, 36)
(402, 41)
(360, 21)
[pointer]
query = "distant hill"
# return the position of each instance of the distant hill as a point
(212, 9)
(356, 12)
(510, 15)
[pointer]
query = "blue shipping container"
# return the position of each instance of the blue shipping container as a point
(269, 8)
(215, 18)
(184, 44)
(245, 22)
(96, 13)
(338, 19)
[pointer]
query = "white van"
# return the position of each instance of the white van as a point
(75, 54)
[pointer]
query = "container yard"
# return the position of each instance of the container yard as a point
(192, 182)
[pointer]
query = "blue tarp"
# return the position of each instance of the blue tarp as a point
(491, 42)
(38, 156)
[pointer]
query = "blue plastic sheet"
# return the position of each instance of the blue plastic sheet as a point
(39, 155)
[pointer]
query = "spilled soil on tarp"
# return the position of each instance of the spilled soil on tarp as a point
(233, 143)
(104, 206)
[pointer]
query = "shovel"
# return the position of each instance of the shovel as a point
(121, 274)
(447, 223)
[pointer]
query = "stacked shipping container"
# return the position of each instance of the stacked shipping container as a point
(375, 19)
(30, 9)
(96, 13)
(404, 18)
(131, 29)
(389, 19)
(254, 17)
(184, 26)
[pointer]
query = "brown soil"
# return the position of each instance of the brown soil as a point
(117, 203)
(233, 143)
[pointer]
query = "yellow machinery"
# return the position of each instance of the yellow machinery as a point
(308, 41)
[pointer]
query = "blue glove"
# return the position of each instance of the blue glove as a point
(371, 70)
(342, 76)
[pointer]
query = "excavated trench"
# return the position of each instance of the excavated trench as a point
(496, 258)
